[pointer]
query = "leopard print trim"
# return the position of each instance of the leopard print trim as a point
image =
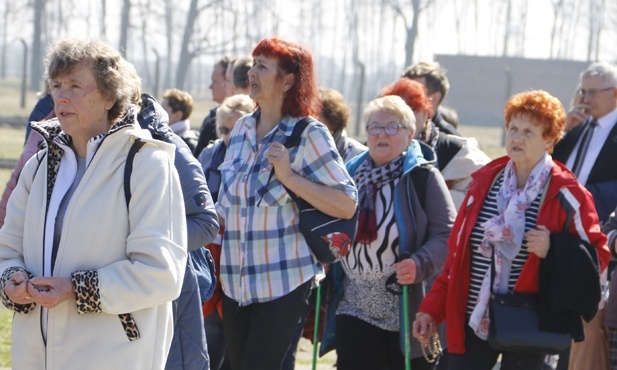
(6, 301)
(87, 294)
(130, 326)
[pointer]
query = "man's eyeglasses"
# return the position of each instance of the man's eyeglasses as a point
(592, 92)
(224, 130)
(390, 129)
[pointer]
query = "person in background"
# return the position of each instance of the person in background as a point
(189, 349)
(179, 105)
(588, 149)
(267, 268)
(229, 78)
(335, 115)
(405, 242)
(207, 132)
(240, 77)
(433, 77)
(75, 257)
(41, 110)
(228, 113)
(457, 157)
(518, 206)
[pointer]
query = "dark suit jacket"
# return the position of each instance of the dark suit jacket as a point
(602, 181)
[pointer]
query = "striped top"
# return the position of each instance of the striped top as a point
(479, 263)
(264, 255)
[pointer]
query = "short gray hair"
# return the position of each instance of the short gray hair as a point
(605, 70)
(392, 104)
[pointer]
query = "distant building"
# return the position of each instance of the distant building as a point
(480, 86)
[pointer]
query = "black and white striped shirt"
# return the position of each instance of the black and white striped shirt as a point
(479, 263)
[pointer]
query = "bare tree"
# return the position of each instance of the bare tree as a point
(36, 66)
(410, 21)
(124, 26)
(103, 19)
(5, 31)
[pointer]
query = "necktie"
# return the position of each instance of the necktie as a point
(582, 148)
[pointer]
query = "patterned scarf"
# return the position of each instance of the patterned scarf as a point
(504, 233)
(369, 179)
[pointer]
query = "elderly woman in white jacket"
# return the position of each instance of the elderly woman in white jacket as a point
(89, 274)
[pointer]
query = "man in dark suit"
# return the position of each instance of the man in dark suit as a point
(589, 149)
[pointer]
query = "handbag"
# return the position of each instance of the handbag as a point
(515, 324)
(329, 238)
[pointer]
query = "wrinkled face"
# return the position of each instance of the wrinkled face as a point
(225, 125)
(601, 95)
(265, 81)
(218, 85)
(384, 148)
(524, 142)
(79, 105)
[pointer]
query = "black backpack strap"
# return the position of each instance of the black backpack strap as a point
(419, 177)
(128, 168)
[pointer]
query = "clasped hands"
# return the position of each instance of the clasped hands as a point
(46, 291)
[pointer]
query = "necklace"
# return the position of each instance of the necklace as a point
(431, 349)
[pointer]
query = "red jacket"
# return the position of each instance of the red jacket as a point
(450, 303)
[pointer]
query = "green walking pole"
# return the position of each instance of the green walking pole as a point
(405, 327)
(316, 325)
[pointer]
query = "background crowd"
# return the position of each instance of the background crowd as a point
(127, 231)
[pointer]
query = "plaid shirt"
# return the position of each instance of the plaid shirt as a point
(264, 255)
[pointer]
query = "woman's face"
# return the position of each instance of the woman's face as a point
(79, 105)
(226, 125)
(524, 142)
(384, 148)
(265, 81)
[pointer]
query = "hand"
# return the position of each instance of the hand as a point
(577, 115)
(538, 241)
(278, 157)
(405, 271)
(50, 291)
(16, 288)
(424, 327)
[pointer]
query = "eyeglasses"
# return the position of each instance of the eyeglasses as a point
(390, 129)
(592, 92)
(224, 130)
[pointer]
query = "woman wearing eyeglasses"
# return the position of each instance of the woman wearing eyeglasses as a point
(406, 214)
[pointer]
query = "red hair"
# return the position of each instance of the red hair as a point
(412, 92)
(302, 98)
(541, 108)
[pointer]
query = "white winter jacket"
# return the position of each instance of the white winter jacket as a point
(126, 263)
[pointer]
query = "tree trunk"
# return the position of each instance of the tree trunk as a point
(185, 55)
(508, 28)
(103, 16)
(5, 31)
(37, 58)
(124, 27)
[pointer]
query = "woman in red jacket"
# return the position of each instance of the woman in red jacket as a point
(513, 205)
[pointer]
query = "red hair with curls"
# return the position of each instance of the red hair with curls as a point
(412, 92)
(540, 108)
(302, 98)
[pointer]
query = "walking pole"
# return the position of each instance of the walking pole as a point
(316, 325)
(406, 327)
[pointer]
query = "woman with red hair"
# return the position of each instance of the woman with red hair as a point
(529, 217)
(267, 268)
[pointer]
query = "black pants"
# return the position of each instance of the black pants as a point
(480, 356)
(258, 335)
(362, 346)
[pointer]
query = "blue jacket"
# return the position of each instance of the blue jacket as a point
(189, 349)
(424, 227)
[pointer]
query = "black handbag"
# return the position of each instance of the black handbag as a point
(515, 324)
(329, 238)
